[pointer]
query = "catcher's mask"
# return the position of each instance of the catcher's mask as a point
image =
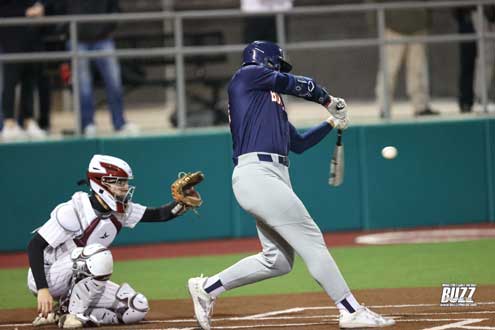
(265, 53)
(109, 179)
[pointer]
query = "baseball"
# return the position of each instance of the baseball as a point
(389, 152)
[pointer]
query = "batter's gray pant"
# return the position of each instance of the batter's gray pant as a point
(284, 225)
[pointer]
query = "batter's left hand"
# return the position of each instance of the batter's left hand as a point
(337, 107)
(338, 123)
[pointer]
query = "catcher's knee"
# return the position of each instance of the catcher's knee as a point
(94, 260)
(135, 305)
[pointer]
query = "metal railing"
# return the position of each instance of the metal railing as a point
(179, 51)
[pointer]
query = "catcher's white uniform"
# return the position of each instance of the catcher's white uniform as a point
(76, 224)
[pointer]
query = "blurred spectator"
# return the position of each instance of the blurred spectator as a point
(18, 39)
(489, 25)
(490, 15)
(467, 58)
(98, 37)
(43, 85)
(262, 27)
(1, 90)
(407, 23)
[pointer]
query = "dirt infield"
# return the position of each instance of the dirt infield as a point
(413, 308)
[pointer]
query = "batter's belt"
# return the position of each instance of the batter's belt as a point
(256, 157)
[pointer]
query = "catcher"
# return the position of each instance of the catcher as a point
(68, 256)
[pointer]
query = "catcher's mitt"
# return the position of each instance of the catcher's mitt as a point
(183, 189)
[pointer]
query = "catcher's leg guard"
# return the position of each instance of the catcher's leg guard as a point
(93, 317)
(102, 316)
(85, 293)
(135, 304)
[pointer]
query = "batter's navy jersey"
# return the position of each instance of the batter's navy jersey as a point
(258, 120)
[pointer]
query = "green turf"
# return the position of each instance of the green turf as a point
(363, 267)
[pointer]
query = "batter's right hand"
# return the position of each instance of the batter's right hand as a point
(45, 302)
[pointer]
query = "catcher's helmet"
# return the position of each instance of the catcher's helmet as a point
(265, 53)
(106, 175)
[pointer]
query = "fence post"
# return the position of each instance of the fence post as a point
(281, 33)
(75, 76)
(482, 56)
(179, 74)
(385, 111)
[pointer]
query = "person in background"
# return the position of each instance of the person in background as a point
(1, 89)
(467, 58)
(262, 27)
(489, 27)
(98, 37)
(19, 39)
(43, 84)
(407, 23)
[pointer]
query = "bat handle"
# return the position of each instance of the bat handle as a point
(339, 137)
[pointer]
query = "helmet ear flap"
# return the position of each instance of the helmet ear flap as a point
(285, 66)
(268, 61)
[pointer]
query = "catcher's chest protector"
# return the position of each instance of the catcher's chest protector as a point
(94, 229)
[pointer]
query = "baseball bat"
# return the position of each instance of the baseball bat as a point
(337, 163)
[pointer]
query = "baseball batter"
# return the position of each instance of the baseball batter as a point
(262, 138)
(68, 255)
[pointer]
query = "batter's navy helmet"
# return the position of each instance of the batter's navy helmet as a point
(267, 54)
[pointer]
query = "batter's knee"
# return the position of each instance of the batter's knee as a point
(278, 262)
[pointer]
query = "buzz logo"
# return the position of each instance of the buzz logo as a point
(458, 295)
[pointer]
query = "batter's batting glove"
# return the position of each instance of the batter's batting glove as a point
(338, 123)
(337, 107)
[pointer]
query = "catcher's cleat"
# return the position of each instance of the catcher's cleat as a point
(70, 321)
(364, 318)
(203, 303)
(51, 318)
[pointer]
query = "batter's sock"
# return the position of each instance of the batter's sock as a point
(349, 304)
(213, 286)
